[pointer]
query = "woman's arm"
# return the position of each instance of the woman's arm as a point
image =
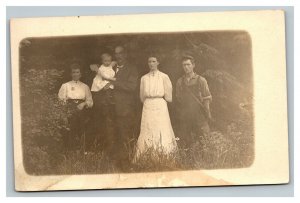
(142, 91)
(88, 97)
(167, 88)
(62, 93)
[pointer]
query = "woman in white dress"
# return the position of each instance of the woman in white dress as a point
(156, 129)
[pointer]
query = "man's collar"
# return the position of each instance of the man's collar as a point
(193, 76)
(121, 66)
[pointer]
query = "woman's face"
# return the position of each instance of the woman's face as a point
(76, 74)
(153, 63)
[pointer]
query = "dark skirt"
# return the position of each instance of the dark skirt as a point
(76, 126)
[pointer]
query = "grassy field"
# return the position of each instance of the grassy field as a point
(215, 151)
(231, 150)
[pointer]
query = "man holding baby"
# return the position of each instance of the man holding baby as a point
(125, 101)
(103, 112)
(114, 92)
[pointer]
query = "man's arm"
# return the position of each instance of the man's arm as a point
(206, 96)
(205, 93)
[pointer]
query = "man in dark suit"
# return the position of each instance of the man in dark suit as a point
(125, 88)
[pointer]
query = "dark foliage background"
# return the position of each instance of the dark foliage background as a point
(223, 58)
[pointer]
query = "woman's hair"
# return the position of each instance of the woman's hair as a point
(75, 66)
(154, 56)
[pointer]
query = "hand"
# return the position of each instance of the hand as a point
(106, 87)
(113, 63)
(111, 79)
(81, 106)
(94, 67)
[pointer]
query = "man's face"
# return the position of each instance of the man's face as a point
(188, 66)
(76, 74)
(120, 54)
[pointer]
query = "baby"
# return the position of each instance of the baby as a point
(105, 73)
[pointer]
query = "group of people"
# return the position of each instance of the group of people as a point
(112, 101)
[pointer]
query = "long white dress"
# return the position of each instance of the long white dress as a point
(156, 130)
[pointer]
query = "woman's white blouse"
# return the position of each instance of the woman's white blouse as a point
(75, 90)
(154, 85)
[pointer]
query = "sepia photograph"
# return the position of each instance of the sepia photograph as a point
(101, 105)
(182, 101)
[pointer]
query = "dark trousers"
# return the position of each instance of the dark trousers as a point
(126, 136)
(192, 125)
(106, 130)
(103, 136)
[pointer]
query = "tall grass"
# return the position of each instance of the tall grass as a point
(217, 150)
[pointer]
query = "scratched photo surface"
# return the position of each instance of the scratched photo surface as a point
(175, 101)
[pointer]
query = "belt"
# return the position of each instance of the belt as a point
(157, 97)
(76, 101)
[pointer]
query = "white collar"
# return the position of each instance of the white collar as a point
(76, 82)
(153, 73)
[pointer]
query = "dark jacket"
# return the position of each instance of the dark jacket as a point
(125, 89)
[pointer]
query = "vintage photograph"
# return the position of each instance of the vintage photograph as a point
(136, 102)
(167, 104)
